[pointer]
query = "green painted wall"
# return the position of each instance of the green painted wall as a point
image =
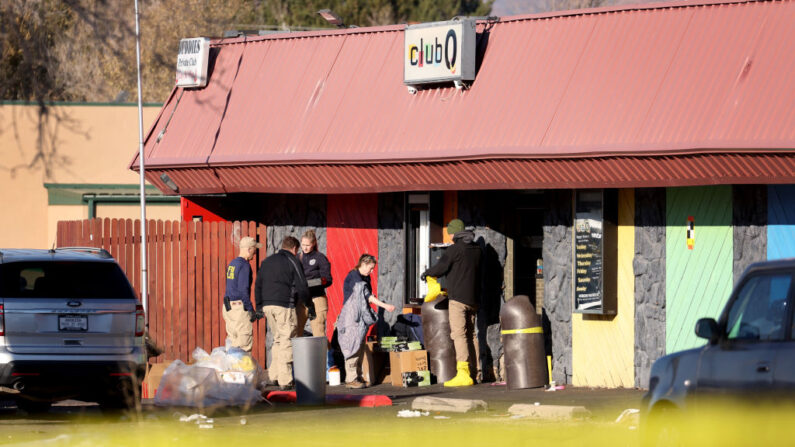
(698, 281)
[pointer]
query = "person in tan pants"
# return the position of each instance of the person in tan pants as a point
(460, 264)
(237, 310)
(317, 271)
(280, 283)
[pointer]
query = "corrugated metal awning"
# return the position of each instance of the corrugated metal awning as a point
(667, 94)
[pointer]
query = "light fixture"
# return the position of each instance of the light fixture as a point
(170, 183)
(333, 19)
(412, 90)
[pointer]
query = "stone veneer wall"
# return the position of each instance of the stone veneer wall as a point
(749, 222)
(391, 251)
(557, 255)
(291, 215)
(649, 267)
(484, 211)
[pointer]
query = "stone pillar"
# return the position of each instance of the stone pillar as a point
(749, 222)
(391, 252)
(649, 267)
(557, 255)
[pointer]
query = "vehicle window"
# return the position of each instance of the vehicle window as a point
(63, 280)
(760, 309)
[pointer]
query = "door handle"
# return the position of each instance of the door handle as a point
(762, 368)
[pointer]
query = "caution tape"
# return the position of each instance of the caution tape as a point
(529, 330)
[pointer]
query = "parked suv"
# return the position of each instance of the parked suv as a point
(750, 349)
(71, 326)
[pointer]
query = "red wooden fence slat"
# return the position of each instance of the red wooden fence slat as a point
(136, 245)
(207, 288)
(260, 355)
(214, 325)
(168, 290)
(193, 284)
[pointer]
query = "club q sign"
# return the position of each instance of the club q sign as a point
(439, 52)
(192, 61)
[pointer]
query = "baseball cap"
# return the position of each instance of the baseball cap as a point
(247, 242)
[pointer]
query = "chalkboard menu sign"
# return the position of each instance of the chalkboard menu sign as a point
(588, 252)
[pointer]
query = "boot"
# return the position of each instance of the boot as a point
(462, 378)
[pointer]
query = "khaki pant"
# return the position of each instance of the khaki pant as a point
(353, 365)
(281, 321)
(318, 325)
(462, 331)
(239, 329)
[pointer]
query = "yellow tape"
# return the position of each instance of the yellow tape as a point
(529, 330)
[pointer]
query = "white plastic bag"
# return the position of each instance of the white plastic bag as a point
(201, 386)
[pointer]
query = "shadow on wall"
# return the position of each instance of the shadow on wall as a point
(489, 309)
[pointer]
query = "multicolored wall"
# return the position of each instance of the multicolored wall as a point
(698, 260)
(603, 348)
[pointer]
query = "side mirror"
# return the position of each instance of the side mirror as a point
(707, 328)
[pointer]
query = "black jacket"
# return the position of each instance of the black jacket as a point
(281, 281)
(316, 266)
(460, 265)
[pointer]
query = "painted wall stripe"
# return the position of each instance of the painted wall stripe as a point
(698, 281)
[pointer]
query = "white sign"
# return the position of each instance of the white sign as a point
(192, 61)
(439, 52)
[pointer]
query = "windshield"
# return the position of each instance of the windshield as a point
(64, 279)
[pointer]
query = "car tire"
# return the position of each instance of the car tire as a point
(663, 427)
(127, 397)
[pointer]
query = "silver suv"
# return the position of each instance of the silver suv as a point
(71, 326)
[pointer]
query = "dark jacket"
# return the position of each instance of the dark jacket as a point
(316, 266)
(460, 265)
(238, 282)
(353, 277)
(281, 281)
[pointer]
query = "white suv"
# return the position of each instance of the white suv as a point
(71, 326)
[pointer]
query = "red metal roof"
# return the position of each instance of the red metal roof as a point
(638, 88)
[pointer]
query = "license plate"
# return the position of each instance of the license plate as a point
(72, 323)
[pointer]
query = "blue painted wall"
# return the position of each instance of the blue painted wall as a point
(780, 221)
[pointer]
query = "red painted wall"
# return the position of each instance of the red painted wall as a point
(190, 210)
(352, 229)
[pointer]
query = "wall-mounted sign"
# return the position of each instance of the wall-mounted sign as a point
(439, 52)
(192, 62)
(588, 256)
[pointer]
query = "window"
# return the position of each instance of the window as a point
(63, 279)
(760, 310)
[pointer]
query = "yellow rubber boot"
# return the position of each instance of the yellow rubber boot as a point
(462, 378)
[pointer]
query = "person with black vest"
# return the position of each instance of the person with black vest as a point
(317, 271)
(280, 283)
(238, 312)
(460, 265)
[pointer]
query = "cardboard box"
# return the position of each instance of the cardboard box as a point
(154, 372)
(406, 361)
(373, 364)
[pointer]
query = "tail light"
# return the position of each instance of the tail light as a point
(2, 321)
(140, 321)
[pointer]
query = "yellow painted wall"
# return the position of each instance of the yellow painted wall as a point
(81, 144)
(603, 349)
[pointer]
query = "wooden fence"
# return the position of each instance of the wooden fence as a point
(186, 275)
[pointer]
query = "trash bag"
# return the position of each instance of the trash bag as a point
(223, 377)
